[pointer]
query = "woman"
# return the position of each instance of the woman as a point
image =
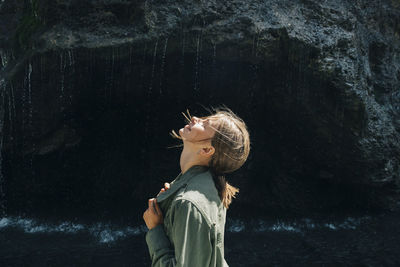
(186, 221)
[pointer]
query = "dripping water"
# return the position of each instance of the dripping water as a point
(300, 72)
(42, 69)
(71, 57)
(200, 60)
(130, 56)
(4, 58)
(305, 92)
(214, 55)
(2, 112)
(197, 64)
(30, 118)
(30, 93)
(183, 51)
(72, 69)
(287, 84)
(13, 103)
(10, 112)
(91, 66)
(129, 81)
(148, 100)
(253, 87)
(62, 74)
(297, 59)
(62, 71)
(214, 60)
(254, 41)
(111, 81)
(23, 111)
(214, 74)
(163, 63)
(143, 89)
(153, 67)
(142, 84)
(108, 74)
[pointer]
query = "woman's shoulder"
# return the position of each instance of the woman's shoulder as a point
(203, 194)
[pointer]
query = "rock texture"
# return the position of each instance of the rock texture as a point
(91, 88)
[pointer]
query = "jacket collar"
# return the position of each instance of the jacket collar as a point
(181, 180)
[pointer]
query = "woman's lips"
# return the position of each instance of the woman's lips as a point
(187, 127)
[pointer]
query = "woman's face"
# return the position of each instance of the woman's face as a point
(197, 130)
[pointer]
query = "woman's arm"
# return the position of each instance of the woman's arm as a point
(191, 236)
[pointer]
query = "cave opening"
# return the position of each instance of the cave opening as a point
(87, 129)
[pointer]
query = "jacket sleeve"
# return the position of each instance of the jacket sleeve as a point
(190, 235)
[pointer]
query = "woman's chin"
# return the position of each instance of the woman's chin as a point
(182, 134)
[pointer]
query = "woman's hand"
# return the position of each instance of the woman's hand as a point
(166, 187)
(153, 215)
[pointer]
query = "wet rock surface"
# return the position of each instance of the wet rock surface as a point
(91, 89)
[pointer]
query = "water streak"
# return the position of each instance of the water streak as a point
(163, 63)
(62, 72)
(23, 109)
(2, 112)
(129, 81)
(30, 115)
(214, 62)
(30, 92)
(4, 58)
(10, 112)
(183, 51)
(71, 57)
(153, 67)
(253, 88)
(13, 98)
(142, 71)
(72, 70)
(215, 54)
(109, 76)
(42, 69)
(130, 56)
(111, 85)
(197, 64)
(256, 42)
(148, 100)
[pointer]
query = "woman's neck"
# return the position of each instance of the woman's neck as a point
(188, 159)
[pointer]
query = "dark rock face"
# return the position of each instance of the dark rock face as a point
(91, 89)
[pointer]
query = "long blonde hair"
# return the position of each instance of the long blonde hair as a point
(232, 146)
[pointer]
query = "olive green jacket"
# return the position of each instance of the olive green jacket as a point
(194, 223)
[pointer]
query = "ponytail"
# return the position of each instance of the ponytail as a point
(225, 191)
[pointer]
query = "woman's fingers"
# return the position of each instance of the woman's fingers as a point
(161, 191)
(153, 215)
(152, 205)
(166, 187)
(157, 207)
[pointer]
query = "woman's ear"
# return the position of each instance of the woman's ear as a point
(208, 151)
